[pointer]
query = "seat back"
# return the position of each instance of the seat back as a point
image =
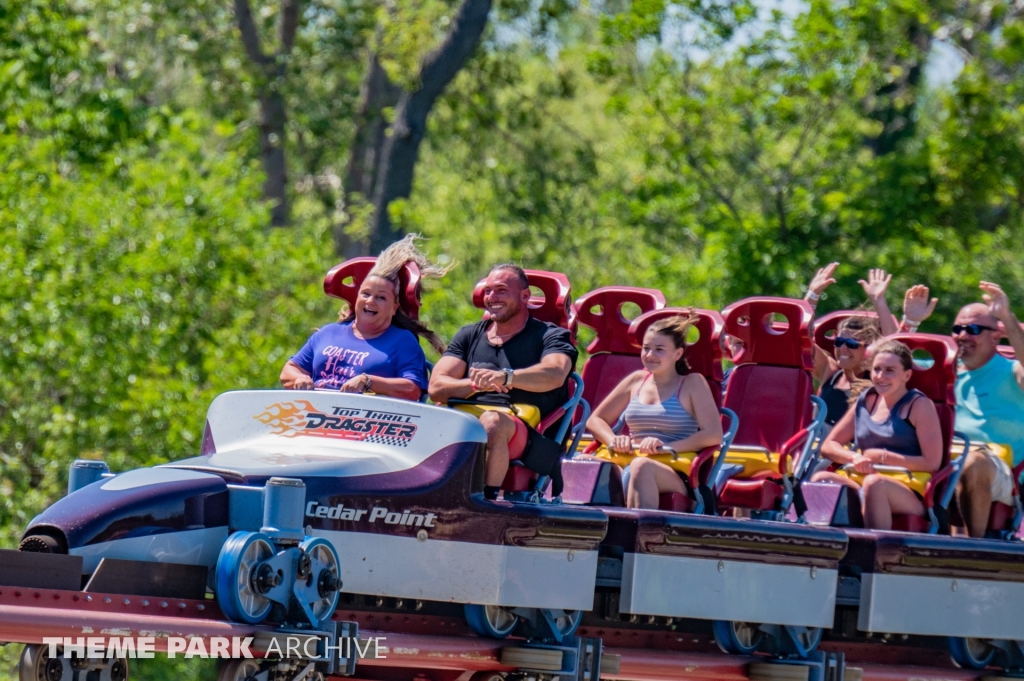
(935, 379)
(826, 326)
(771, 386)
(704, 355)
(553, 306)
(343, 281)
(612, 355)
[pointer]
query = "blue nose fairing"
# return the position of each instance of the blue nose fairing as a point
(151, 514)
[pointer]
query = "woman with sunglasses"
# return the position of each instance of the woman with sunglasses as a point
(888, 425)
(837, 373)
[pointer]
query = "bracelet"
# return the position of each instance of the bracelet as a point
(884, 455)
(812, 297)
(912, 325)
(369, 382)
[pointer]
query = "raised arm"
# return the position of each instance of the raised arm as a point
(999, 304)
(916, 307)
(875, 288)
(821, 281)
(824, 364)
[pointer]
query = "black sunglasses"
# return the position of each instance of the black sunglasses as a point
(971, 329)
(851, 343)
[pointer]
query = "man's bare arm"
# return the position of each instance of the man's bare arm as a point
(999, 304)
(548, 374)
(448, 380)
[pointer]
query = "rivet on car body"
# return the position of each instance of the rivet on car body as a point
(955, 585)
(572, 554)
(421, 535)
(721, 566)
(814, 573)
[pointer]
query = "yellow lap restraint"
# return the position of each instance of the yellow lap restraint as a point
(527, 413)
(916, 481)
(752, 460)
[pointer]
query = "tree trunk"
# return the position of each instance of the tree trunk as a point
(270, 71)
(376, 94)
(401, 149)
(895, 104)
(275, 187)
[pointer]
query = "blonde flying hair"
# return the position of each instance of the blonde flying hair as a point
(388, 266)
(675, 327)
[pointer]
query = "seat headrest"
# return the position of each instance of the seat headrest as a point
(554, 307)
(703, 355)
(825, 326)
(356, 269)
(608, 321)
(776, 343)
(937, 378)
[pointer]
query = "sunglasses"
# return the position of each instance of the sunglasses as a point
(851, 343)
(971, 329)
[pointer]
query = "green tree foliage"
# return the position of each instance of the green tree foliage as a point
(710, 148)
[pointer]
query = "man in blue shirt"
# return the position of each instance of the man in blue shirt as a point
(989, 403)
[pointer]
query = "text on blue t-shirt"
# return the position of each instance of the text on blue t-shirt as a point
(333, 355)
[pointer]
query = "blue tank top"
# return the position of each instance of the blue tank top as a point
(895, 434)
(990, 405)
(668, 421)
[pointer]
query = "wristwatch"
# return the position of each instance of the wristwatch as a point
(508, 377)
(369, 382)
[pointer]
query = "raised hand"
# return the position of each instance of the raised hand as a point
(877, 284)
(998, 302)
(822, 279)
(916, 305)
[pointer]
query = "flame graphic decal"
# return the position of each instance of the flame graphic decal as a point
(287, 418)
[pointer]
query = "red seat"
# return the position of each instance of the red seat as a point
(756, 494)
(936, 382)
(674, 501)
(1000, 517)
(704, 355)
(355, 271)
(770, 388)
(553, 306)
(612, 355)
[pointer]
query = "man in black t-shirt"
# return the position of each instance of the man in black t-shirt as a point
(508, 359)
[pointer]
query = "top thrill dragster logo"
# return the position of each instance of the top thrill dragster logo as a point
(363, 425)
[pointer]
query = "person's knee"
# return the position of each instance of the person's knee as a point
(495, 423)
(641, 467)
(978, 470)
(873, 486)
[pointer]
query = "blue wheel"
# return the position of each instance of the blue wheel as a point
(971, 653)
(567, 621)
(491, 621)
(323, 580)
(800, 641)
(237, 595)
(737, 638)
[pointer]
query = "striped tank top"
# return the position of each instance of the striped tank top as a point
(668, 421)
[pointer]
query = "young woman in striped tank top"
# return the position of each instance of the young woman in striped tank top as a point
(663, 405)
